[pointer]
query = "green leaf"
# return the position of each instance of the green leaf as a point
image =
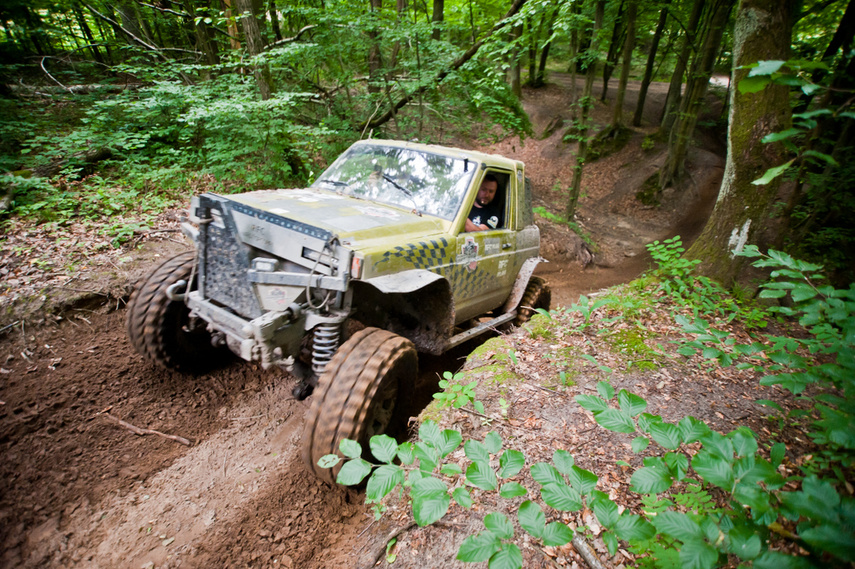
(611, 541)
(833, 538)
(350, 449)
(493, 442)
(383, 447)
(744, 442)
(563, 461)
(531, 518)
(605, 390)
(691, 429)
(666, 434)
(451, 469)
(651, 479)
(615, 420)
(429, 432)
(753, 84)
(772, 173)
(479, 548)
(638, 444)
(557, 534)
(606, 511)
(745, 544)
(631, 403)
(633, 527)
(511, 462)
(698, 554)
(500, 525)
(448, 440)
(405, 453)
(512, 490)
(480, 475)
(768, 403)
(779, 450)
(353, 472)
(561, 497)
(329, 460)
(509, 556)
(582, 480)
(544, 473)
(428, 456)
(766, 68)
(430, 500)
(383, 480)
(462, 497)
(777, 560)
(677, 525)
(783, 135)
(592, 403)
(476, 451)
(678, 464)
(713, 469)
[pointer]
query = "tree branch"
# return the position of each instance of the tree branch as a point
(167, 10)
(283, 41)
(455, 65)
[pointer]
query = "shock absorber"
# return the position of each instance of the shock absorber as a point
(324, 345)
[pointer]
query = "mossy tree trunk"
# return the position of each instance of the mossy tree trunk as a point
(743, 211)
(576, 184)
(436, 18)
(672, 99)
(628, 47)
(255, 45)
(696, 90)
(615, 45)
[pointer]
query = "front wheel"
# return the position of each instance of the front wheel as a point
(160, 329)
(364, 391)
(537, 295)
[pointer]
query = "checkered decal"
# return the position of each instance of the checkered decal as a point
(434, 255)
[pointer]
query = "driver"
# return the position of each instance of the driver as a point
(486, 212)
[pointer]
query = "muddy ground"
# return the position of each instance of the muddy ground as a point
(78, 488)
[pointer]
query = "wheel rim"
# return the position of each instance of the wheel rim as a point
(382, 409)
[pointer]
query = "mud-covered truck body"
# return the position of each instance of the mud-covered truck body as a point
(342, 282)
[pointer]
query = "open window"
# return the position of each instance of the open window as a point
(498, 206)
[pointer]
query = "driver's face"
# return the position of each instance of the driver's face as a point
(487, 192)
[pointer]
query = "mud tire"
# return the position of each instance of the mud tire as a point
(159, 328)
(364, 391)
(537, 295)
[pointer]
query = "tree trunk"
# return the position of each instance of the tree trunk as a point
(374, 60)
(255, 45)
(516, 67)
(576, 184)
(614, 51)
(87, 33)
(628, 46)
(648, 69)
(672, 100)
(274, 20)
(234, 34)
(436, 20)
(741, 216)
(681, 132)
(544, 52)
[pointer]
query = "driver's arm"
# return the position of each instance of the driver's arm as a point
(470, 227)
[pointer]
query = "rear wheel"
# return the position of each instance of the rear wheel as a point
(160, 329)
(537, 295)
(364, 391)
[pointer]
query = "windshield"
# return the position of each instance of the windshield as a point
(431, 183)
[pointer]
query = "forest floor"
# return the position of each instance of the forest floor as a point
(79, 489)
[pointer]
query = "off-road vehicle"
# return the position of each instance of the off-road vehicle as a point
(344, 282)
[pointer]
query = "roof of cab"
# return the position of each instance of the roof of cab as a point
(488, 159)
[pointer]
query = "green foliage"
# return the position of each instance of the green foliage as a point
(574, 227)
(456, 394)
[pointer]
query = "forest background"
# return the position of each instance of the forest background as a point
(111, 112)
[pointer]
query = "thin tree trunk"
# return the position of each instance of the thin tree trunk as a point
(581, 153)
(255, 46)
(516, 67)
(648, 69)
(672, 99)
(544, 52)
(374, 60)
(681, 132)
(274, 19)
(87, 33)
(234, 34)
(628, 47)
(437, 18)
(614, 50)
(743, 210)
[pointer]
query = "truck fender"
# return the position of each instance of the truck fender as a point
(521, 283)
(404, 282)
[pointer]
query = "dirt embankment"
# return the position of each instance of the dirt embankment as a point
(78, 489)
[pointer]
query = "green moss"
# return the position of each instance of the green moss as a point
(649, 194)
(608, 142)
(630, 342)
(540, 326)
(497, 345)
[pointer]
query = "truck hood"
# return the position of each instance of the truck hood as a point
(359, 224)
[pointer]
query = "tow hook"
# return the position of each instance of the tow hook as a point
(172, 291)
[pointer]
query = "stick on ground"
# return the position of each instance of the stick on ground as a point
(139, 431)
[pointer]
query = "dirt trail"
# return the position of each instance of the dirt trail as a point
(78, 490)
